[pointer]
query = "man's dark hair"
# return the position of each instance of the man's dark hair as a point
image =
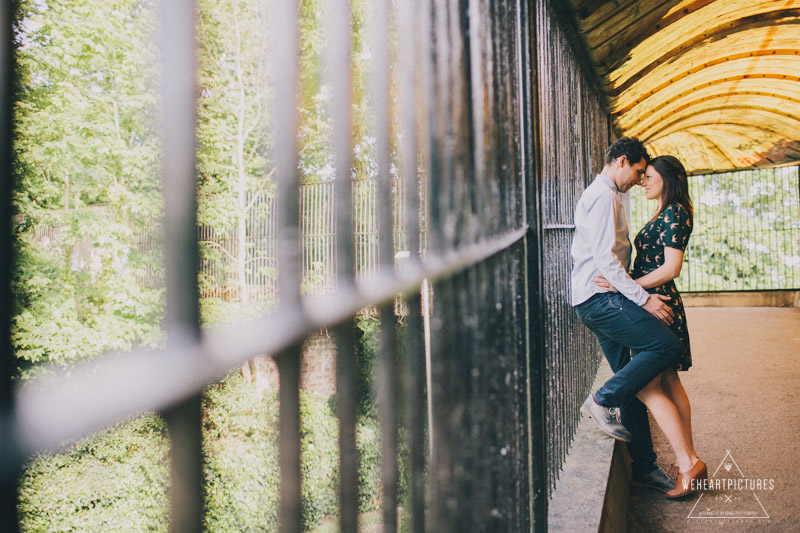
(631, 147)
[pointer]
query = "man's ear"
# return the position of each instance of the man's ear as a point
(621, 160)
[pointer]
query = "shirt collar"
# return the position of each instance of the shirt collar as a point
(602, 178)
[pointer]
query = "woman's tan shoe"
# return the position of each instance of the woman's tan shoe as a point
(673, 471)
(688, 482)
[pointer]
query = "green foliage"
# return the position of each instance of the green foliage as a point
(316, 158)
(316, 162)
(232, 130)
(233, 108)
(367, 353)
(367, 350)
(368, 333)
(369, 473)
(242, 470)
(241, 448)
(114, 481)
(87, 180)
(64, 314)
(85, 112)
(746, 231)
(319, 449)
(86, 159)
(219, 312)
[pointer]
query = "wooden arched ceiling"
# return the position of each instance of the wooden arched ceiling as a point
(714, 82)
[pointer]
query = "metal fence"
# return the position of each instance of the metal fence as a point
(500, 133)
(236, 266)
(746, 233)
(574, 133)
(221, 249)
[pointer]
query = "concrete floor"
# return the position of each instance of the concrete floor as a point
(744, 391)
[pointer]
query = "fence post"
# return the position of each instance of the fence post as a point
(9, 470)
(180, 253)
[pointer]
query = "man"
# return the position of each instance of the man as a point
(629, 318)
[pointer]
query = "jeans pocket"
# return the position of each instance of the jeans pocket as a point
(598, 310)
(614, 300)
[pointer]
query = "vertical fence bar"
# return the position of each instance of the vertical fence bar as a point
(481, 224)
(387, 362)
(752, 252)
(414, 376)
(782, 273)
(788, 222)
(458, 204)
(731, 266)
(793, 224)
(712, 250)
(180, 252)
(747, 253)
(564, 127)
(444, 393)
(284, 80)
(485, 296)
(308, 211)
(534, 311)
(476, 125)
(9, 471)
(340, 71)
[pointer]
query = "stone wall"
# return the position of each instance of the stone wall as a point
(317, 368)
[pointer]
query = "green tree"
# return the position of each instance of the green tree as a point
(746, 230)
(88, 188)
(232, 124)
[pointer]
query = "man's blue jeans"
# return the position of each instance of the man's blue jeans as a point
(620, 325)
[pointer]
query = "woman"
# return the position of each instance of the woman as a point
(660, 246)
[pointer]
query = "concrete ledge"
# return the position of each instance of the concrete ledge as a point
(788, 298)
(592, 492)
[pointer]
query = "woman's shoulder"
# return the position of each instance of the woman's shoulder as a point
(677, 222)
(675, 211)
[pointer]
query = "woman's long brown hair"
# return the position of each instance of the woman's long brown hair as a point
(676, 186)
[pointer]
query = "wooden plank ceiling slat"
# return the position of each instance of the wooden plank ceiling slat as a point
(718, 80)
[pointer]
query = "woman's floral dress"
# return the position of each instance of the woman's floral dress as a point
(671, 228)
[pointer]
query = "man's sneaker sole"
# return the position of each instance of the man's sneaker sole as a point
(585, 411)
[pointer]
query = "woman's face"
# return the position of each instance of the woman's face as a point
(653, 183)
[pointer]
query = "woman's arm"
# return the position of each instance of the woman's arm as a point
(671, 269)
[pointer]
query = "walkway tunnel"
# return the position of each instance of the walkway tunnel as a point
(487, 119)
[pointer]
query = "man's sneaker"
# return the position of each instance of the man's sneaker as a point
(607, 418)
(657, 479)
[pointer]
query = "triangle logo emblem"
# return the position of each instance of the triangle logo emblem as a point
(729, 494)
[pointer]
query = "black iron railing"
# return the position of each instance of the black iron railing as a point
(500, 133)
(574, 133)
(746, 233)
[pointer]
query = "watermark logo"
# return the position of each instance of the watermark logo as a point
(729, 494)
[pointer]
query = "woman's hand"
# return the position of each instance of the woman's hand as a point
(603, 283)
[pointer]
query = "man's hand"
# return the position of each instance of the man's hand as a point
(603, 283)
(655, 306)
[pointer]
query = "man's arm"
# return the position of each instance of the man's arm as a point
(601, 217)
(601, 221)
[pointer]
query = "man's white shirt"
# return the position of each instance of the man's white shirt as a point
(601, 244)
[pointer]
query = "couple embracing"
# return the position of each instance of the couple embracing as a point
(638, 316)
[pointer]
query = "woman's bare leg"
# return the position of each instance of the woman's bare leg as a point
(673, 388)
(669, 420)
